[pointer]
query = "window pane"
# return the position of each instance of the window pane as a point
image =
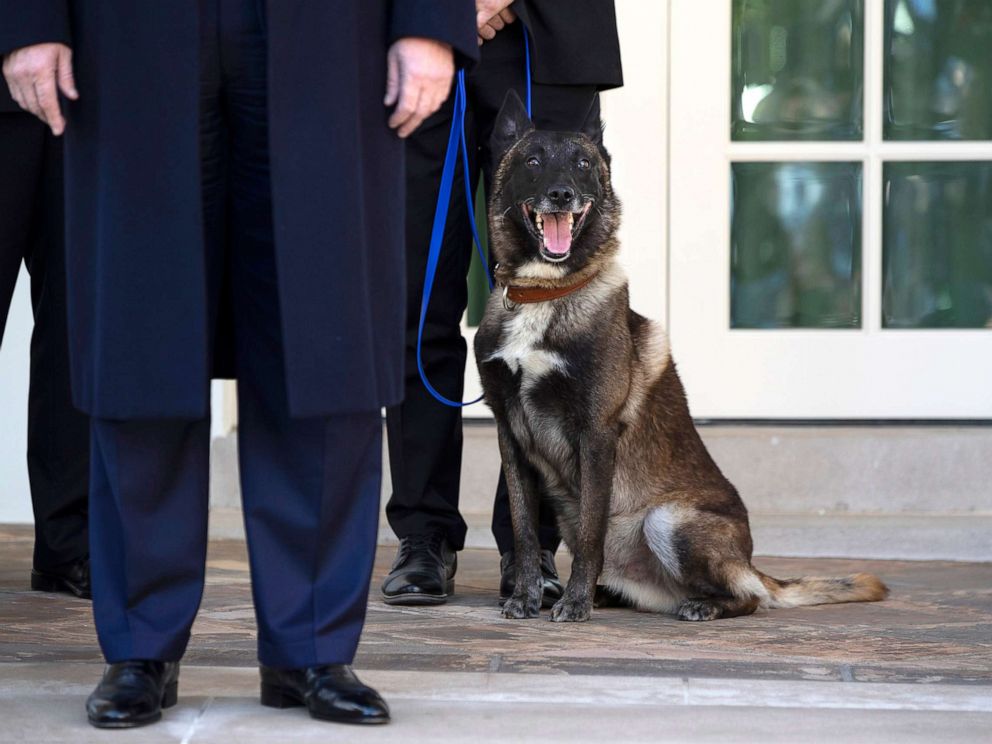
(797, 69)
(938, 69)
(937, 252)
(795, 259)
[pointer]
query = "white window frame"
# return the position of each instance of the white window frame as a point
(868, 373)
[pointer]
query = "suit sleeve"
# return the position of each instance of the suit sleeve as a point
(580, 47)
(27, 22)
(450, 21)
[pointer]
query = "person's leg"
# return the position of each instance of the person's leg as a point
(58, 434)
(21, 156)
(310, 486)
(148, 550)
(149, 496)
(149, 479)
(148, 534)
(311, 500)
(425, 436)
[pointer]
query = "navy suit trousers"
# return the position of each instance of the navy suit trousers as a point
(310, 486)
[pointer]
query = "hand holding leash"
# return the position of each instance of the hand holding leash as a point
(492, 16)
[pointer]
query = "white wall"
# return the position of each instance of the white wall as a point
(15, 499)
(636, 118)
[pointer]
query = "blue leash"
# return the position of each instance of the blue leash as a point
(456, 142)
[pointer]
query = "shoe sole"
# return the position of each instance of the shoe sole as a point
(273, 696)
(52, 584)
(170, 696)
(419, 599)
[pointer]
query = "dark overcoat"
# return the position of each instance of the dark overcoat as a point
(137, 280)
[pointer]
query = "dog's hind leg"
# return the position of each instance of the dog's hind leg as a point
(714, 608)
(528, 590)
(707, 555)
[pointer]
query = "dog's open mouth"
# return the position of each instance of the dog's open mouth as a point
(555, 230)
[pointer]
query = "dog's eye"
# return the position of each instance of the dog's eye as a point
(533, 162)
(584, 164)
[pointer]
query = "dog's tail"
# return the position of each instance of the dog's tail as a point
(814, 590)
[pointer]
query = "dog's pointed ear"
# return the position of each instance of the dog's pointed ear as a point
(593, 129)
(512, 123)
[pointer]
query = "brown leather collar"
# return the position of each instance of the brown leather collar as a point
(528, 295)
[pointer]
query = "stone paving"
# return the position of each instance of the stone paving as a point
(919, 662)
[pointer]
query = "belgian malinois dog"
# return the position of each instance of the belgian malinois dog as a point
(591, 412)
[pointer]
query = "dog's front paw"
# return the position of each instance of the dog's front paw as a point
(521, 607)
(569, 610)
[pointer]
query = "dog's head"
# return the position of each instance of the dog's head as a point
(552, 203)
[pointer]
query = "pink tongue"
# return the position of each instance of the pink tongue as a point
(557, 234)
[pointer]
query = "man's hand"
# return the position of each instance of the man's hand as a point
(418, 79)
(35, 75)
(492, 16)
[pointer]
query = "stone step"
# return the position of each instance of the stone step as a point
(219, 704)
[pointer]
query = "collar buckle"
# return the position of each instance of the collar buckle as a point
(508, 304)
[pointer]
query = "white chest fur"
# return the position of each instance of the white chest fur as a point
(523, 330)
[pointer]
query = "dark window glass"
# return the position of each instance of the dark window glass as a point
(938, 69)
(795, 259)
(797, 69)
(937, 246)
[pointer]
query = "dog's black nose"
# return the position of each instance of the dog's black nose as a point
(560, 196)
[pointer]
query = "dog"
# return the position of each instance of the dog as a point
(590, 410)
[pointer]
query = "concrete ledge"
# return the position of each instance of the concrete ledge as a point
(906, 492)
(784, 469)
(857, 469)
(879, 536)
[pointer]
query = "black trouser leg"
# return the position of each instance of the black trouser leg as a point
(425, 436)
(58, 434)
(31, 226)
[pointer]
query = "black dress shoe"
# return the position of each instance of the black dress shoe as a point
(331, 693)
(508, 577)
(133, 693)
(423, 572)
(74, 579)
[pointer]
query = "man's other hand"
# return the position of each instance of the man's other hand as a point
(35, 75)
(492, 16)
(418, 79)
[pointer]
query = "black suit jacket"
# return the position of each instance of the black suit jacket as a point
(573, 42)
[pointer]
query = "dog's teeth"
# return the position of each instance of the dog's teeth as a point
(570, 219)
